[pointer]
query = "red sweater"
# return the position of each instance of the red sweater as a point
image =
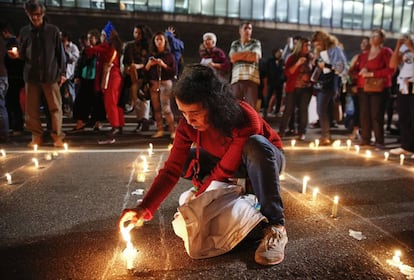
(379, 65)
(229, 150)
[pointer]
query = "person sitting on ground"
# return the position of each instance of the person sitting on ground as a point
(220, 137)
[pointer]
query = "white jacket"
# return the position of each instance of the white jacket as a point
(216, 221)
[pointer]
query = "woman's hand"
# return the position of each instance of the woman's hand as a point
(134, 216)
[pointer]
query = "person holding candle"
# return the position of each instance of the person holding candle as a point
(41, 49)
(231, 139)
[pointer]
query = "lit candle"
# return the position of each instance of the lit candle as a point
(305, 183)
(335, 207)
(129, 252)
(386, 155)
(311, 145)
(357, 148)
(348, 144)
(55, 154)
(368, 153)
(402, 157)
(396, 257)
(150, 149)
(65, 147)
(336, 144)
(8, 178)
(293, 143)
(141, 177)
(35, 147)
(315, 194)
(317, 143)
(3, 153)
(144, 164)
(48, 156)
(36, 162)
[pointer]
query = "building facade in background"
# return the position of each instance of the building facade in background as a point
(394, 16)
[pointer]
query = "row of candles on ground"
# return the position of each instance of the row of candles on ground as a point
(395, 261)
(48, 156)
(337, 144)
(315, 192)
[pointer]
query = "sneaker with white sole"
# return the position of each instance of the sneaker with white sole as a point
(271, 250)
(399, 151)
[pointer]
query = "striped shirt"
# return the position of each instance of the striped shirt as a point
(243, 70)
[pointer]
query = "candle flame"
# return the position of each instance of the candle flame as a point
(8, 178)
(36, 162)
(315, 193)
(129, 252)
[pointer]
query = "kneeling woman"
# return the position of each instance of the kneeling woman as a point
(230, 138)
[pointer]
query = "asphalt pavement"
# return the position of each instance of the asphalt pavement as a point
(58, 220)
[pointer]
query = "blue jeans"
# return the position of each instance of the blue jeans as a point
(4, 117)
(262, 163)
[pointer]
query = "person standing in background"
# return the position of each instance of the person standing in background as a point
(44, 72)
(4, 84)
(110, 50)
(68, 88)
(176, 48)
(356, 83)
(274, 72)
(15, 81)
(136, 53)
(213, 56)
(374, 64)
(160, 71)
(298, 86)
(330, 64)
(403, 57)
(245, 54)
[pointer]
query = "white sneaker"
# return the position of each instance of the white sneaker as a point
(158, 134)
(399, 151)
(271, 250)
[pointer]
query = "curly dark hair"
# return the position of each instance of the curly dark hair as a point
(200, 84)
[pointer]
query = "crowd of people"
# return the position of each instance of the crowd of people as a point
(101, 78)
